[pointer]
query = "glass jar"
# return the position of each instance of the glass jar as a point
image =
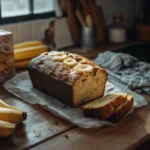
(7, 62)
(117, 31)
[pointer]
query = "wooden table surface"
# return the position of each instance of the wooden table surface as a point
(43, 131)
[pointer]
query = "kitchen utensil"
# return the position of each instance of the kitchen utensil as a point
(98, 19)
(97, 16)
(78, 14)
(88, 37)
(85, 8)
(58, 9)
(88, 20)
(63, 5)
(72, 20)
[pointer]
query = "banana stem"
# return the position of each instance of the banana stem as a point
(24, 115)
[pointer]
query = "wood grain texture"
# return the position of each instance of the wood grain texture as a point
(44, 131)
(39, 126)
(101, 47)
(125, 135)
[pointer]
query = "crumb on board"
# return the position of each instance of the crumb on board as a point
(65, 106)
(53, 130)
(38, 135)
(56, 121)
(66, 136)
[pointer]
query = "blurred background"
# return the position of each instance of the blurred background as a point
(74, 25)
(28, 19)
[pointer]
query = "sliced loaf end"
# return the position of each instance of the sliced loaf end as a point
(123, 109)
(103, 108)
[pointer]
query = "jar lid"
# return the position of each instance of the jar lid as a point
(118, 17)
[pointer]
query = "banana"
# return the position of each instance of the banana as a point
(6, 128)
(58, 55)
(5, 105)
(27, 44)
(70, 62)
(84, 67)
(22, 64)
(12, 115)
(29, 52)
(55, 53)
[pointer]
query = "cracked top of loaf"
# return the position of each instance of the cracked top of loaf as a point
(64, 66)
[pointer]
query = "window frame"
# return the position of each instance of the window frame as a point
(28, 17)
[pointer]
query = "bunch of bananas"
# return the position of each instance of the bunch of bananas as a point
(25, 51)
(9, 118)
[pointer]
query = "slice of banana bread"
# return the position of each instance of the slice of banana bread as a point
(123, 109)
(103, 108)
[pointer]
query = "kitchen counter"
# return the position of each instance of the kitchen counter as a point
(43, 130)
(101, 47)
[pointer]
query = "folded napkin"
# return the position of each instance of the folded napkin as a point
(127, 70)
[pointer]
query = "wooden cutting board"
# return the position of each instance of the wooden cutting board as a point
(39, 126)
(98, 19)
(72, 20)
(87, 8)
(96, 12)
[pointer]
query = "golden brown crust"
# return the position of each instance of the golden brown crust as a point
(66, 74)
(84, 79)
(115, 110)
(123, 109)
(106, 111)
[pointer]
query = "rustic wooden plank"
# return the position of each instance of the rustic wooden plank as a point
(125, 135)
(99, 48)
(39, 126)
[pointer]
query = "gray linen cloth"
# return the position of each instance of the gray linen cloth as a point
(127, 70)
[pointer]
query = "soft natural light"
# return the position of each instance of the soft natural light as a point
(43, 6)
(10, 8)
(13, 8)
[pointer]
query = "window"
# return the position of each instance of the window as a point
(11, 8)
(40, 7)
(21, 10)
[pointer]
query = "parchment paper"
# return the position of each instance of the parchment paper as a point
(20, 85)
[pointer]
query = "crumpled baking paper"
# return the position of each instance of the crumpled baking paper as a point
(20, 85)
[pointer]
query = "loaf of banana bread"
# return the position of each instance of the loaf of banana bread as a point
(71, 78)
